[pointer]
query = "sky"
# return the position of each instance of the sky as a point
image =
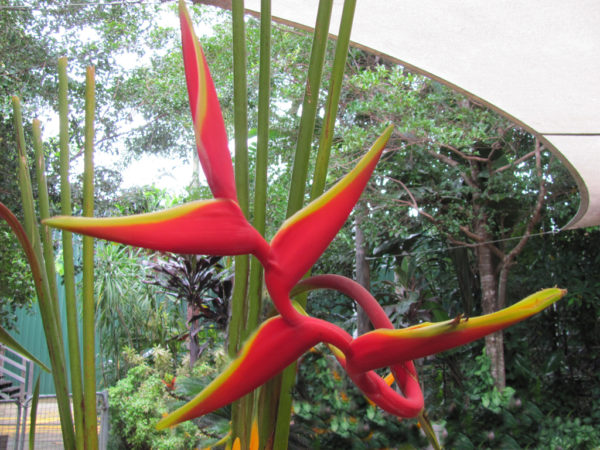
(166, 173)
(172, 174)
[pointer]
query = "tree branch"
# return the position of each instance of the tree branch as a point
(481, 241)
(454, 164)
(537, 212)
(464, 155)
(517, 161)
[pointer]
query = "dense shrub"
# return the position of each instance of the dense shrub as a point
(137, 403)
(331, 412)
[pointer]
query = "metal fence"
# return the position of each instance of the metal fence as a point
(15, 426)
(16, 376)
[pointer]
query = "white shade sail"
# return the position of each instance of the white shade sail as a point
(534, 61)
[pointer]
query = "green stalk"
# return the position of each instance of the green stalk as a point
(44, 209)
(89, 329)
(260, 196)
(262, 146)
(33, 413)
(240, 94)
(68, 260)
(297, 188)
(241, 169)
(333, 99)
(268, 400)
(309, 108)
(47, 311)
(25, 184)
(241, 415)
(239, 420)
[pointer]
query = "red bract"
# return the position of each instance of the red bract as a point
(211, 138)
(218, 227)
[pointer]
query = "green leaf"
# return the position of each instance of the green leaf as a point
(33, 414)
(371, 413)
(11, 343)
(485, 401)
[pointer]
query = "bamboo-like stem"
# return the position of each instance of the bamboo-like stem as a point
(47, 311)
(255, 292)
(262, 145)
(333, 99)
(33, 413)
(68, 260)
(25, 183)
(297, 189)
(240, 94)
(236, 327)
(241, 414)
(44, 210)
(241, 170)
(89, 329)
(309, 108)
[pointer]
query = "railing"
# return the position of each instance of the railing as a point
(16, 385)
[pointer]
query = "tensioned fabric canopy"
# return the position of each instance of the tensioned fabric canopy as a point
(534, 61)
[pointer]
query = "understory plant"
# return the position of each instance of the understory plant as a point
(154, 384)
(137, 403)
(330, 412)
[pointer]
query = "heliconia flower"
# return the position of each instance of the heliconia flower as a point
(209, 129)
(211, 227)
(169, 382)
(304, 236)
(381, 348)
(218, 227)
(256, 362)
(255, 365)
(377, 390)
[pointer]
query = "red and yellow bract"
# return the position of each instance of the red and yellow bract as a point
(218, 227)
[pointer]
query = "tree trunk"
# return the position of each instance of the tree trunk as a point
(193, 339)
(363, 274)
(494, 343)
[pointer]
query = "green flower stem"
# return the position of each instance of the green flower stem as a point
(68, 260)
(33, 413)
(240, 95)
(241, 410)
(89, 329)
(236, 324)
(309, 108)
(262, 145)
(267, 407)
(255, 292)
(241, 169)
(297, 189)
(333, 99)
(47, 311)
(44, 210)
